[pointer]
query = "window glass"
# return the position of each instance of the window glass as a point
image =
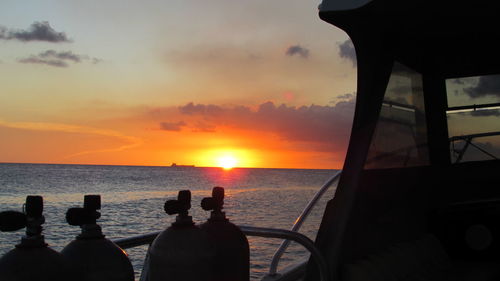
(473, 118)
(400, 138)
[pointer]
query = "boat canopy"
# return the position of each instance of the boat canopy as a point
(428, 77)
(449, 37)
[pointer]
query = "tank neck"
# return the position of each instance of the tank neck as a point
(183, 220)
(32, 241)
(217, 216)
(91, 231)
(33, 237)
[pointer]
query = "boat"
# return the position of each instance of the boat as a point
(406, 206)
(175, 165)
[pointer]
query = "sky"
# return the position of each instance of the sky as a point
(265, 83)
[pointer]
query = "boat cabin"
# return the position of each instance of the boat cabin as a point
(419, 197)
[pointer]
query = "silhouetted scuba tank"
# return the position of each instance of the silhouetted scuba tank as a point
(232, 262)
(31, 259)
(182, 252)
(95, 257)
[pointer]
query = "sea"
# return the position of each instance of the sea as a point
(133, 198)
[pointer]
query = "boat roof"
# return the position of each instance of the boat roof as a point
(447, 37)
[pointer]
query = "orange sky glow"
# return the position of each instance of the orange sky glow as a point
(150, 88)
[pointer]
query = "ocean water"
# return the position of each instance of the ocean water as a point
(133, 197)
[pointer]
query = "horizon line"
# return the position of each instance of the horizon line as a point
(166, 166)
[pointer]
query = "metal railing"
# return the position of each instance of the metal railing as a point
(303, 240)
(273, 267)
(287, 235)
(468, 141)
(135, 241)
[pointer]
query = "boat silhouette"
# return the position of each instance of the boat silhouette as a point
(176, 165)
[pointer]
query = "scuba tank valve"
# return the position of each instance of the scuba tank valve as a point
(31, 259)
(95, 257)
(182, 252)
(232, 262)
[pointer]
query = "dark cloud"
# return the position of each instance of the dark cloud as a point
(347, 51)
(324, 127)
(201, 109)
(458, 81)
(487, 85)
(50, 62)
(464, 81)
(57, 59)
(67, 55)
(38, 31)
(297, 50)
(172, 126)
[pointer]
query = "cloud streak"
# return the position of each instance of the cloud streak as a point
(172, 126)
(38, 31)
(131, 141)
(57, 59)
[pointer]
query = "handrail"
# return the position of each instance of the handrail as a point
(474, 107)
(303, 240)
(468, 141)
(473, 136)
(273, 267)
(134, 241)
(295, 236)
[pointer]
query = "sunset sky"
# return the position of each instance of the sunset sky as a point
(187, 81)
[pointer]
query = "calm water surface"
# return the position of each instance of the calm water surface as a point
(133, 198)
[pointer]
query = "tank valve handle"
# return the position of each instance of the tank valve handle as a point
(31, 218)
(215, 203)
(87, 217)
(12, 221)
(33, 209)
(181, 207)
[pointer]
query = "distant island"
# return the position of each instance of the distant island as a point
(175, 165)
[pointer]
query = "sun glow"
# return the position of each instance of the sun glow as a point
(227, 162)
(226, 158)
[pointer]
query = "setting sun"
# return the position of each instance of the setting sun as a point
(227, 162)
(226, 158)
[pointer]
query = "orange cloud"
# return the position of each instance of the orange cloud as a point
(324, 128)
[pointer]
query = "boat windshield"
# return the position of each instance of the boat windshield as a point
(473, 117)
(400, 138)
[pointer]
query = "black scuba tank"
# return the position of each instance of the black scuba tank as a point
(31, 259)
(182, 252)
(232, 262)
(95, 257)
